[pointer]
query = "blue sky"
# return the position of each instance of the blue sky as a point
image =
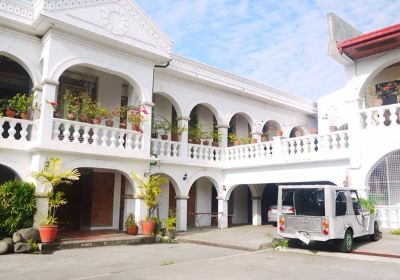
(282, 43)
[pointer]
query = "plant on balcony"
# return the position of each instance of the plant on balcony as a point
(130, 224)
(98, 112)
(136, 117)
(86, 108)
(207, 134)
(165, 126)
(155, 126)
(51, 176)
(72, 105)
(111, 116)
(388, 92)
(20, 104)
(246, 140)
(150, 191)
(195, 132)
(233, 139)
(176, 131)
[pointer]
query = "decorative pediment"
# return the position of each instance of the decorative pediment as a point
(121, 20)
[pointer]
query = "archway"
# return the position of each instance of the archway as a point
(13, 78)
(239, 131)
(270, 129)
(296, 131)
(7, 174)
(240, 206)
(165, 114)
(202, 203)
(203, 125)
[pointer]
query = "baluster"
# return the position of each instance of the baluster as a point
(154, 147)
(170, 149)
(113, 139)
(85, 134)
(56, 130)
(2, 121)
(380, 119)
(163, 149)
(314, 145)
(138, 139)
(177, 150)
(12, 130)
(66, 133)
(129, 136)
(195, 152)
(75, 134)
(393, 116)
(24, 131)
(121, 140)
(104, 137)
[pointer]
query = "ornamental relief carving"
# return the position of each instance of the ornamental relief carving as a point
(115, 20)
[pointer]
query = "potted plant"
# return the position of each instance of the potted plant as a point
(279, 133)
(87, 108)
(71, 105)
(388, 92)
(206, 135)
(122, 113)
(99, 112)
(130, 224)
(245, 140)
(110, 117)
(136, 117)
(155, 126)
(176, 131)
(19, 104)
(170, 224)
(150, 191)
(51, 176)
(165, 127)
(195, 134)
(216, 136)
(233, 139)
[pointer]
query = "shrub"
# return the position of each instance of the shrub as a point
(395, 232)
(17, 206)
(368, 204)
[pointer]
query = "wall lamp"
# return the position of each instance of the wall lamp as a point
(184, 177)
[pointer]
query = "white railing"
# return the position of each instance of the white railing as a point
(16, 130)
(388, 216)
(262, 150)
(205, 153)
(165, 148)
(316, 144)
(72, 132)
(381, 116)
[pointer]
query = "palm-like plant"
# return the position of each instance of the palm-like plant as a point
(150, 190)
(51, 176)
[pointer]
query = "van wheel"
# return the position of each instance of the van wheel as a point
(345, 245)
(375, 235)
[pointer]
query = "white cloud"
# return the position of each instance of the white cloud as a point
(280, 43)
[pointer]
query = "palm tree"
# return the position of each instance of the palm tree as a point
(51, 176)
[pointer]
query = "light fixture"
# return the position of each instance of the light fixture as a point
(184, 177)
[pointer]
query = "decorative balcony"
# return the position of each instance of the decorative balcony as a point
(16, 133)
(382, 116)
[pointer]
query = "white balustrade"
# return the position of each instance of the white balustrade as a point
(260, 150)
(165, 148)
(205, 153)
(16, 130)
(381, 116)
(72, 132)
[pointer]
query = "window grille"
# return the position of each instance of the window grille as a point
(384, 181)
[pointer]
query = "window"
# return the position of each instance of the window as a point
(341, 202)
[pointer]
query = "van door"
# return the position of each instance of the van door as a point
(359, 222)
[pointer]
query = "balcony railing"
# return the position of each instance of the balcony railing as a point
(381, 116)
(16, 132)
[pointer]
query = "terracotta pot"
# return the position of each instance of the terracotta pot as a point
(236, 143)
(148, 227)
(10, 113)
(197, 141)
(253, 141)
(135, 127)
(84, 118)
(71, 116)
(110, 123)
(57, 114)
(133, 230)
(96, 120)
(264, 138)
(154, 135)
(333, 128)
(164, 137)
(48, 233)
(190, 141)
(279, 133)
(314, 130)
(206, 142)
(122, 125)
(25, 116)
(214, 143)
(174, 137)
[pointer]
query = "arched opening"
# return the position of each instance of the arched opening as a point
(202, 126)
(270, 129)
(100, 200)
(7, 174)
(240, 206)
(167, 199)
(86, 94)
(202, 203)
(296, 131)
(239, 132)
(13, 78)
(165, 122)
(384, 180)
(383, 88)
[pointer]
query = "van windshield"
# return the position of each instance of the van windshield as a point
(307, 202)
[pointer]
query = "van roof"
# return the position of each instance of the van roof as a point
(337, 188)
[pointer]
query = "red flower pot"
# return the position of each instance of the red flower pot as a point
(25, 116)
(10, 113)
(148, 227)
(133, 230)
(48, 233)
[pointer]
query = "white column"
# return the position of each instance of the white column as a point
(45, 128)
(129, 207)
(184, 122)
(256, 135)
(181, 212)
(256, 211)
(42, 203)
(223, 131)
(222, 213)
(140, 211)
(146, 140)
(277, 146)
(117, 200)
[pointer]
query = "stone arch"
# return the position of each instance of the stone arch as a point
(296, 131)
(24, 62)
(249, 118)
(194, 178)
(104, 66)
(229, 191)
(174, 102)
(15, 167)
(172, 179)
(208, 106)
(270, 124)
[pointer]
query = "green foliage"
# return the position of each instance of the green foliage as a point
(99, 111)
(167, 262)
(395, 232)
(196, 132)
(34, 245)
(71, 103)
(130, 221)
(51, 176)
(368, 204)
(17, 206)
(170, 222)
(280, 242)
(150, 190)
(232, 137)
(245, 140)
(20, 102)
(177, 129)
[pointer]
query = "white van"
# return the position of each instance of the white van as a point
(324, 212)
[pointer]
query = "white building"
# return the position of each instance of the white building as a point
(112, 51)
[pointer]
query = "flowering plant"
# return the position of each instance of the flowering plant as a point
(137, 116)
(52, 103)
(387, 88)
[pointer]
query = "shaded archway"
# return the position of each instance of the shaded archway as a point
(240, 205)
(202, 203)
(203, 125)
(7, 174)
(270, 129)
(240, 129)
(296, 131)
(165, 114)
(13, 78)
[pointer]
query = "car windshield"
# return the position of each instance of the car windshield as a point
(307, 202)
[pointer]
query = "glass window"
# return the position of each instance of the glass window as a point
(341, 199)
(309, 202)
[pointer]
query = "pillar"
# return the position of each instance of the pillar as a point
(129, 207)
(223, 132)
(222, 213)
(146, 139)
(183, 121)
(181, 212)
(45, 126)
(256, 135)
(117, 200)
(140, 211)
(256, 211)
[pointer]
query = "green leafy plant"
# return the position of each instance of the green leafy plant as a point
(21, 103)
(51, 176)
(87, 105)
(395, 232)
(196, 132)
(99, 111)
(71, 103)
(232, 137)
(130, 221)
(245, 140)
(177, 129)
(33, 244)
(280, 242)
(137, 116)
(17, 206)
(164, 125)
(368, 204)
(170, 222)
(150, 190)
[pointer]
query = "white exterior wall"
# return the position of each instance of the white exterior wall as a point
(164, 203)
(240, 205)
(203, 200)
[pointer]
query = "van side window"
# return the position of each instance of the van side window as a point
(340, 203)
(356, 203)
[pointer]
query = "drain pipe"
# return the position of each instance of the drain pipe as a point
(165, 65)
